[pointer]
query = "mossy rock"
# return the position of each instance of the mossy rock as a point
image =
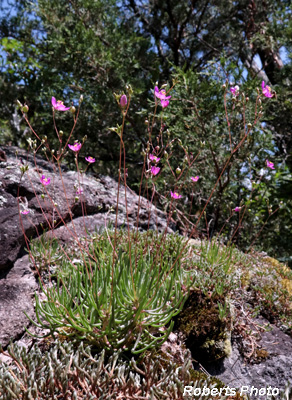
(207, 335)
(284, 273)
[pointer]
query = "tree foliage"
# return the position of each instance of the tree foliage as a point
(95, 48)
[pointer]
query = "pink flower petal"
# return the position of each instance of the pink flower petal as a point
(267, 91)
(235, 90)
(164, 103)
(154, 158)
(270, 164)
(155, 170)
(175, 195)
(58, 105)
(75, 147)
(195, 178)
(25, 212)
(90, 159)
(45, 181)
(161, 94)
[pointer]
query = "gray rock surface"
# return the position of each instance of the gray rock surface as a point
(99, 199)
(17, 288)
(275, 370)
(17, 280)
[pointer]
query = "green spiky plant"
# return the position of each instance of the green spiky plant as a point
(126, 305)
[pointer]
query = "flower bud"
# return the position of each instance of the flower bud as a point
(80, 99)
(72, 110)
(260, 101)
(19, 104)
(249, 125)
(146, 122)
(224, 86)
(42, 196)
(178, 171)
(247, 99)
(61, 133)
(129, 89)
(25, 109)
(123, 101)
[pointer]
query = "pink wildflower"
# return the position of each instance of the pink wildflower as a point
(25, 212)
(154, 158)
(90, 159)
(175, 195)
(237, 209)
(45, 181)
(79, 191)
(235, 90)
(270, 164)
(75, 147)
(195, 178)
(164, 103)
(155, 170)
(58, 105)
(161, 95)
(123, 101)
(266, 90)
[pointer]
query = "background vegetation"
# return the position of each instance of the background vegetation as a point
(95, 48)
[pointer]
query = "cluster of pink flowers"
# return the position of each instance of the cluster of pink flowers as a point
(154, 169)
(267, 91)
(161, 95)
(76, 147)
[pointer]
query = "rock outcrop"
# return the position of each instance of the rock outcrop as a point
(98, 201)
(18, 283)
(99, 196)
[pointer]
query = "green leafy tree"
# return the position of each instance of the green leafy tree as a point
(95, 48)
